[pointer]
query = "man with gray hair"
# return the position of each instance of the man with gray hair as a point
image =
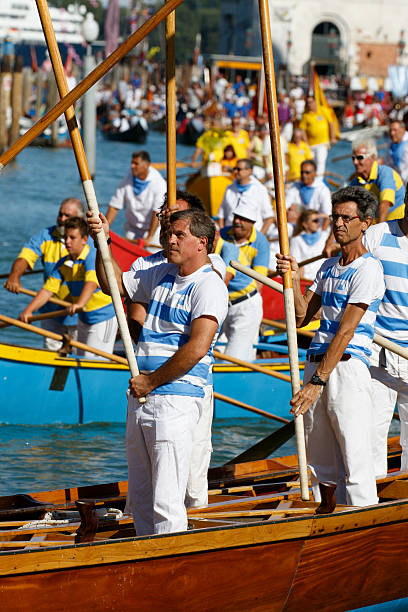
(336, 394)
(383, 182)
(49, 246)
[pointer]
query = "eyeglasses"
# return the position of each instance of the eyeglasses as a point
(345, 218)
(361, 157)
(314, 220)
(238, 169)
(306, 172)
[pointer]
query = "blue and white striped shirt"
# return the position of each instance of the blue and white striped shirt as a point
(387, 242)
(174, 302)
(360, 282)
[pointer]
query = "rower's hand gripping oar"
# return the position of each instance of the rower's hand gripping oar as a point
(87, 183)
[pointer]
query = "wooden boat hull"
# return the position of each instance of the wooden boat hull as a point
(339, 562)
(135, 134)
(73, 390)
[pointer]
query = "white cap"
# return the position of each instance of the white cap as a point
(247, 211)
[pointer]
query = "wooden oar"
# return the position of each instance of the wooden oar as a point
(60, 338)
(52, 300)
(92, 78)
(265, 447)
(163, 165)
(171, 108)
(43, 316)
(273, 273)
(283, 232)
(251, 366)
(40, 271)
(234, 402)
(87, 182)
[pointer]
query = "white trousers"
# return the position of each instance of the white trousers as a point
(57, 328)
(338, 434)
(197, 484)
(389, 374)
(99, 335)
(241, 328)
(320, 153)
(159, 441)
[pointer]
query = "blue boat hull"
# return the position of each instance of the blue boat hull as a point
(38, 387)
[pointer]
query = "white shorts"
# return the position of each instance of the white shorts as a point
(241, 328)
(57, 328)
(99, 335)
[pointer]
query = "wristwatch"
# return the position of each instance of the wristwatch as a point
(316, 380)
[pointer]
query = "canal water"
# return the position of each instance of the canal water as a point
(38, 458)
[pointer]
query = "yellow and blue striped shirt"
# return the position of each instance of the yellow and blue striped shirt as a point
(68, 278)
(253, 253)
(386, 184)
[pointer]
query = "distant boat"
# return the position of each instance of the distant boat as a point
(136, 133)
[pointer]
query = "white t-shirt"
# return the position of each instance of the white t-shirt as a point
(174, 302)
(256, 196)
(140, 208)
(362, 281)
(320, 200)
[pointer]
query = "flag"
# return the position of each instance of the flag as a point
(315, 90)
(111, 27)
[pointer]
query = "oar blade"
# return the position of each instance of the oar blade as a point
(263, 448)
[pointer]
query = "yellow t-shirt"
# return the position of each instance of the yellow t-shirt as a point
(212, 144)
(296, 155)
(316, 126)
(240, 142)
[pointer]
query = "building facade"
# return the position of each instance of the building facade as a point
(351, 37)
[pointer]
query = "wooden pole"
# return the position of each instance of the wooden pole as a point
(40, 270)
(234, 402)
(39, 86)
(282, 326)
(52, 300)
(301, 264)
(42, 317)
(87, 183)
(16, 99)
(251, 366)
(60, 338)
(27, 84)
(92, 78)
(52, 99)
(171, 108)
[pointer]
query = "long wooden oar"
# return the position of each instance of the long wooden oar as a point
(265, 447)
(163, 165)
(48, 334)
(273, 273)
(92, 78)
(52, 300)
(25, 273)
(171, 108)
(234, 402)
(43, 316)
(251, 366)
(87, 182)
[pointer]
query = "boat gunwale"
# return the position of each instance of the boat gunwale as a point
(313, 528)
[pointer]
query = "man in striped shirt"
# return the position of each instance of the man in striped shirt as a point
(389, 243)
(187, 303)
(336, 395)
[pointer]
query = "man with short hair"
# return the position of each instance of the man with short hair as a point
(244, 317)
(318, 127)
(74, 277)
(397, 154)
(187, 303)
(384, 182)
(311, 193)
(141, 192)
(246, 190)
(49, 246)
(389, 372)
(336, 393)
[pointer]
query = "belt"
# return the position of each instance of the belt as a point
(243, 297)
(317, 358)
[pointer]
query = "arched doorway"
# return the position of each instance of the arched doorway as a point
(326, 42)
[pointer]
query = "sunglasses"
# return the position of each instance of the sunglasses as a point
(306, 172)
(360, 157)
(314, 220)
(345, 218)
(237, 169)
